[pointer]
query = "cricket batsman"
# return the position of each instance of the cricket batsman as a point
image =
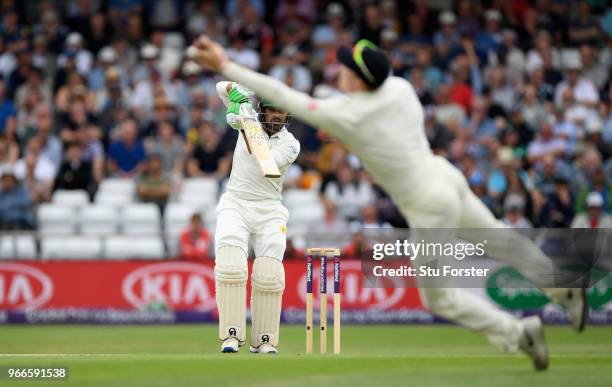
(380, 119)
(251, 210)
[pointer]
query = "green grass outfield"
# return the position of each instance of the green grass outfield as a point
(379, 355)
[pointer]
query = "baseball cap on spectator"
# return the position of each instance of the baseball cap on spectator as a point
(190, 68)
(74, 39)
(388, 35)
(367, 61)
(334, 10)
(149, 51)
(505, 156)
(514, 202)
(447, 17)
(572, 61)
(107, 55)
(594, 199)
(492, 14)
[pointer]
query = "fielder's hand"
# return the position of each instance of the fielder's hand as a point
(208, 54)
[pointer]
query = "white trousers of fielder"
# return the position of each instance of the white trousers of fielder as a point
(448, 202)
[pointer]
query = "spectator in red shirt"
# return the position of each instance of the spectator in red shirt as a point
(355, 247)
(461, 92)
(194, 242)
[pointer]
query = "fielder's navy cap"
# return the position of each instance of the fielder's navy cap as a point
(368, 61)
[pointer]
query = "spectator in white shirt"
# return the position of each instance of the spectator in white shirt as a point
(325, 35)
(84, 58)
(149, 54)
(594, 217)
(583, 89)
(44, 170)
(593, 69)
(240, 53)
(349, 193)
(514, 207)
(545, 144)
(288, 68)
(447, 111)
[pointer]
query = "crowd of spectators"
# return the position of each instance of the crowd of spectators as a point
(517, 94)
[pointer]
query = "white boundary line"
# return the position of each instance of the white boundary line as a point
(197, 355)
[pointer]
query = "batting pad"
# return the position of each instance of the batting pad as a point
(231, 274)
(267, 285)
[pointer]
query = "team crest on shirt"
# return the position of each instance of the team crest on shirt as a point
(283, 229)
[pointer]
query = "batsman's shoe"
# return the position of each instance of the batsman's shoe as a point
(264, 348)
(576, 304)
(230, 345)
(533, 343)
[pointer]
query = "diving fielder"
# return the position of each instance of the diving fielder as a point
(380, 119)
(251, 210)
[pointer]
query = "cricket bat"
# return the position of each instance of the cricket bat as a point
(257, 142)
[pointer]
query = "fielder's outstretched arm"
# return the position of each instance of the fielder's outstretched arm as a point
(334, 115)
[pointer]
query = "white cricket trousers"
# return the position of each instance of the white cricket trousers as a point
(448, 202)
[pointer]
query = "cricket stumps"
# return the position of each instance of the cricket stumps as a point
(323, 255)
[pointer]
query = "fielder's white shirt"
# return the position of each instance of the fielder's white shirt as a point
(385, 128)
(246, 180)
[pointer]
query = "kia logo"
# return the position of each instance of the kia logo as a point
(181, 285)
(23, 287)
(354, 294)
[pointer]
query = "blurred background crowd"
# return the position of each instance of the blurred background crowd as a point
(517, 94)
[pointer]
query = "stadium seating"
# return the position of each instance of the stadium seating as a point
(199, 191)
(72, 198)
(17, 246)
(141, 218)
(209, 214)
(294, 198)
(305, 210)
(117, 226)
(56, 219)
(117, 192)
(71, 247)
(176, 217)
(133, 247)
(99, 220)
